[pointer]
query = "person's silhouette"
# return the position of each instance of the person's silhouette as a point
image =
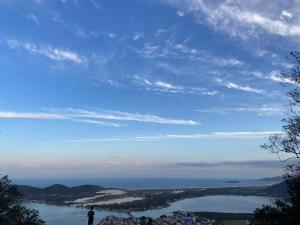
(91, 215)
(143, 220)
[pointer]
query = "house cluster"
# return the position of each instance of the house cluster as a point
(178, 218)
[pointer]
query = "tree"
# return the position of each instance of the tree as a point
(11, 211)
(287, 145)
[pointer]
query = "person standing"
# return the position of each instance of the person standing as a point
(150, 221)
(143, 220)
(91, 215)
(188, 219)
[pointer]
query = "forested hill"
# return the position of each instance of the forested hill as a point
(279, 190)
(60, 194)
(57, 192)
(272, 179)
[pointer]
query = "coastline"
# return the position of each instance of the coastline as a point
(147, 199)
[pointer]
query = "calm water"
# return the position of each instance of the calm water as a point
(140, 183)
(61, 215)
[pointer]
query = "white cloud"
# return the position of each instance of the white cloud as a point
(101, 123)
(47, 51)
(93, 117)
(109, 34)
(172, 49)
(196, 136)
(33, 18)
(227, 61)
(274, 75)
(286, 14)
(265, 110)
(137, 36)
(125, 116)
(167, 87)
(241, 18)
(277, 77)
(232, 85)
(51, 116)
(235, 86)
(240, 134)
(34, 116)
(238, 164)
(180, 13)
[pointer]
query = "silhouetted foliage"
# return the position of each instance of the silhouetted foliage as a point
(11, 212)
(286, 144)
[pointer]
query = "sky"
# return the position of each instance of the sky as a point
(143, 88)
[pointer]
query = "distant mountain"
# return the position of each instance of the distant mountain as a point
(279, 190)
(272, 179)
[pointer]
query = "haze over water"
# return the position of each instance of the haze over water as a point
(147, 183)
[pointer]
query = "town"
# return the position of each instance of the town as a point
(177, 218)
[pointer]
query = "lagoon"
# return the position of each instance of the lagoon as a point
(64, 215)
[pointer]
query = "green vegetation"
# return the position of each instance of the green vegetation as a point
(225, 216)
(286, 212)
(11, 212)
(231, 222)
(152, 198)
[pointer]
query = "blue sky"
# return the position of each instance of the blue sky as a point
(143, 88)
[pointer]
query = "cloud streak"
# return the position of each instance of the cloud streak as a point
(241, 18)
(125, 116)
(232, 85)
(94, 117)
(167, 87)
(252, 163)
(33, 18)
(196, 136)
(50, 52)
(172, 49)
(264, 110)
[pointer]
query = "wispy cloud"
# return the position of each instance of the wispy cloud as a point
(196, 136)
(93, 117)
(167, 87)
(227, 61)
(96, 4)
(232, 85)
(264, 110)
(33, 18)
(125, 116)
(238, 134)
(275, 76)
(51, 116)
(180, 13)
(47, 51)
(31, 115)
(252, 163)
(242, 18)
(286, 15)
(173, 49)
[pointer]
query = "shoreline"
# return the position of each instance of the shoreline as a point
(129, 212)
(122, 200)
